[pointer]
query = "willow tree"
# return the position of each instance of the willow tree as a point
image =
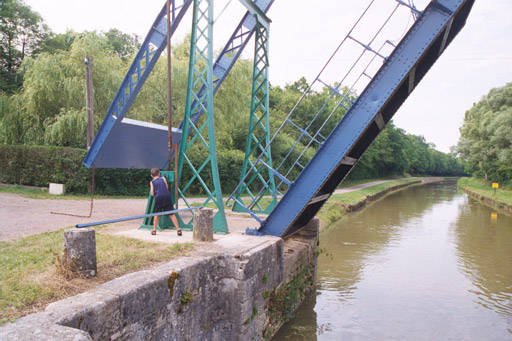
(51, 104)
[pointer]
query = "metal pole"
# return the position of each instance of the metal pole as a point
(169, 104)
(175, 146)
(89, 105)
(169, 86)
(137, 217)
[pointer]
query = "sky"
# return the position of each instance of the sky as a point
(303, 36)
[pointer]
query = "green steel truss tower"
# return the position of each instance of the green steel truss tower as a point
(197, 161)
(255, 174)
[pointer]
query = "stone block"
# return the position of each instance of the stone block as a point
(203, 225)
(57, 189)
(80, 251)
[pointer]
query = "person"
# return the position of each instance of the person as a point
(163, 200)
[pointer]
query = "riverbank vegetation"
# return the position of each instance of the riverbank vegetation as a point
(32, 278)
(43, 117)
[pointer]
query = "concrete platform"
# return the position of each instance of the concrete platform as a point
(237, 224)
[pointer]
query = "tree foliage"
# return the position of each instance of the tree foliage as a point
(54, 87)
(21, 33)
(485, 145)
(121, 43)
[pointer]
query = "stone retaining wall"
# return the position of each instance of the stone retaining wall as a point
(231, 293)
(491, 202)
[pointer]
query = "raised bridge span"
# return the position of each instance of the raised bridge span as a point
(291, 193)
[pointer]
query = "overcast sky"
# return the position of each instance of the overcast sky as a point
(304, 35)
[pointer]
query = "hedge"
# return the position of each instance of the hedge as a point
(40, 165)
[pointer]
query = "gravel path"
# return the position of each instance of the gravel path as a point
(20, 216)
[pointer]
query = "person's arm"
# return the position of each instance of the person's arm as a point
(152, 189)
(165, 180)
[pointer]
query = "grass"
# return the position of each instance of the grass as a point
(479, 186)
(337, 205)
(33, 193)
(30, 276)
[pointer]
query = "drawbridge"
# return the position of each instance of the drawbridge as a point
(327, 147)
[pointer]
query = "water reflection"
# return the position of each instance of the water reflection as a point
(424, 263)
(484, 249)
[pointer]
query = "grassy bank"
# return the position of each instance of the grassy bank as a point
(480, 187)
(34, 193)
(31, 276)
(339, 204)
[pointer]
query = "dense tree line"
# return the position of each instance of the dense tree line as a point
(485, 145)
(48, 106)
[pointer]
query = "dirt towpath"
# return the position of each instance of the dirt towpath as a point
(20, 216)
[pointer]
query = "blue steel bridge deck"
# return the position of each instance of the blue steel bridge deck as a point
(401, 72)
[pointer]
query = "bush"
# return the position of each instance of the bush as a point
(40, 165)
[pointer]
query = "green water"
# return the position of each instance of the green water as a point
(426, 263)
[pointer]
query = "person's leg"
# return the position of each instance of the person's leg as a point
(155, 223)
(175, 222)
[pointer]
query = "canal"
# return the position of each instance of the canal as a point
(424, 263)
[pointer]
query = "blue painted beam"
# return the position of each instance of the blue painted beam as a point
(434, 29)
(137, 217)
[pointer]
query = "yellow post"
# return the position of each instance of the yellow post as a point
(495, 185)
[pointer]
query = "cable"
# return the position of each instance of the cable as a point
(92, 202)
(222, 12)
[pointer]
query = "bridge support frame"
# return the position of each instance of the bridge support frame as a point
(258, 136)
(198, 153)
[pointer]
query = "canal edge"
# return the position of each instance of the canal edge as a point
(488, 201)
(360, 205)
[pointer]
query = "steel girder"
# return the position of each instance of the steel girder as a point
(232, 50)
(258, 136)
(198, 153)
(401, 72)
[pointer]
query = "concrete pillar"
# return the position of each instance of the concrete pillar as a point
(80, 251)
(203, 225)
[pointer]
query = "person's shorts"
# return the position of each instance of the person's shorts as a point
(168, 207)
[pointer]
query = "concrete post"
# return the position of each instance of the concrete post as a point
(80, 251)
(203, 225)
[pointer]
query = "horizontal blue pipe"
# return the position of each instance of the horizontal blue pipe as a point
(138, 217)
